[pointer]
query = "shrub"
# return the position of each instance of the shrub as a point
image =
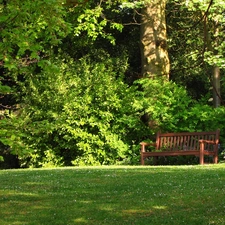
(78, 113)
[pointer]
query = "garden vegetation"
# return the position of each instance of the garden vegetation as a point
(77, 89)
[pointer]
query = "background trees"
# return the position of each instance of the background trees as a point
(29, 33)
(193, 42)
(70, 85)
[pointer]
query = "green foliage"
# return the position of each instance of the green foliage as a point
(214, 12)
(185, 52)
(92, 23)
(195, 39)
(49, 159)
(67, 110)
(171, 109)
(74, 107)
(90, 20)
(164, 102)
(11, 135)
(30, 28)
(4, 89)
(132, 5)
(79, 113)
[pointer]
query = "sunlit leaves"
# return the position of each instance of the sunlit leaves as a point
(31, 27)
(132, 5)
(213, 14)
(93, 22)
(87, 113)
(171, 109)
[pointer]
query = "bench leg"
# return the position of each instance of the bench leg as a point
(201, 159)
(201, 154)
(215, 158)
(142, 160)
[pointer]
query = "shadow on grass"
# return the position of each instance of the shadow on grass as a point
(113, 195)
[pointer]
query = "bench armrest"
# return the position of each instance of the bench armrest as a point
(202, 149)
(208, 142)
(143, 144)
(148, 144)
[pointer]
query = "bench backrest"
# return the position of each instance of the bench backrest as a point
(186, 141)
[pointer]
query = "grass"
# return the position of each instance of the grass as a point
(114, 195)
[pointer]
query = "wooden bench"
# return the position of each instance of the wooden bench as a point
(188, 143)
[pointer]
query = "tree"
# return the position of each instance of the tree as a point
(215, 22)
(155, 60)
(29, 31)
(195, 46)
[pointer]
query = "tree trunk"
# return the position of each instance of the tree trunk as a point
(216, 87)
(216, 73)
(155, 60)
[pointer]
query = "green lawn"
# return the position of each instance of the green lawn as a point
(114, 195)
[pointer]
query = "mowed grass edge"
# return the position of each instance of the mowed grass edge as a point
(113, 195)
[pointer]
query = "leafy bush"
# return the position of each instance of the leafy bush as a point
(173, 110)
(82, 113)
(78, 113)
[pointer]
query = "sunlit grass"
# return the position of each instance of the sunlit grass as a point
(114, 195)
